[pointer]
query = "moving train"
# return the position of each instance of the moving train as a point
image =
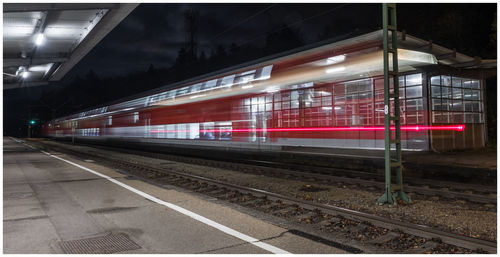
(329, 96)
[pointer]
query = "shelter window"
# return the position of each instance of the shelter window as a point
(459, 101)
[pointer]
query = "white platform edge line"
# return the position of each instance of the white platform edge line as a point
(191, 214)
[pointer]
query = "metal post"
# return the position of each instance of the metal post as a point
(392, 191)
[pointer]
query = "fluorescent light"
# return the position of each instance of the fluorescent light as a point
(25, 74)
(335, 59)
(39, 39)
(247, 86)
(336, 69)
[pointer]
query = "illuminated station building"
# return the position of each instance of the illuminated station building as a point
(329, 95)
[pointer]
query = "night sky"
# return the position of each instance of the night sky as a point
(153, 34)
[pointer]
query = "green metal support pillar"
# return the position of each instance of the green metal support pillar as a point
(393, 192)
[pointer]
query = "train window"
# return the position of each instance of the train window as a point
(182, 91)
(210, 84)
(207, 131)
(195, 88)
(193, 130)
(110, 120)
(171, 94)
(265, 72)
(244, 77)
(136, 117)
(227, 81)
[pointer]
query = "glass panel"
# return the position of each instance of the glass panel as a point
(456, 82)
(436, 104)
(227, 81)
(446, 81)
(446, 92)
(326, 101)
(277, 106)
(367, 97)
(468, 106)
(475, 95)
(457, 105)
(458, 117)
(339, 99)
(469, 118)
(436, 91)
(414, 79)
(466, 84)
(352, 98)
(436, 80)
(475, 84)
(414, 92)
(476, 106)
(467, 94)
(457, 93)
(365, 85)
(445, 104)
(339, 89)
(478, 118)
(413, 105)
(294, 104)
(210, 84)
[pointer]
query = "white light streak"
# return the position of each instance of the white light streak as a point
(336, 69)
(39, 39)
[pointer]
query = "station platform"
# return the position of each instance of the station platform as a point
(54, 203)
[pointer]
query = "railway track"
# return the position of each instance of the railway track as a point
(369, 181)
(364, 232)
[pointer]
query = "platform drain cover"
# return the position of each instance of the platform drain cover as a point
(111, 243)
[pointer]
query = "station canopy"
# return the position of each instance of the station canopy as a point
(43, 41)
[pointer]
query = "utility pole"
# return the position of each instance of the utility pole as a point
(392, 191)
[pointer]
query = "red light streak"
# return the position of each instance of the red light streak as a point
(416, 128)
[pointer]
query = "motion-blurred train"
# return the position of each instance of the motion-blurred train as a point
(328, 96)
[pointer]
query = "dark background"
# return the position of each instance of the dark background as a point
(158, 44)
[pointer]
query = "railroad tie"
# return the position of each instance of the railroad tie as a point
(425, 248)
(384, 239)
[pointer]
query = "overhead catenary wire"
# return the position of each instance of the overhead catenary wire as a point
(243, 21)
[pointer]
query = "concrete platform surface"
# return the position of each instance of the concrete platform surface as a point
(50, 204)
